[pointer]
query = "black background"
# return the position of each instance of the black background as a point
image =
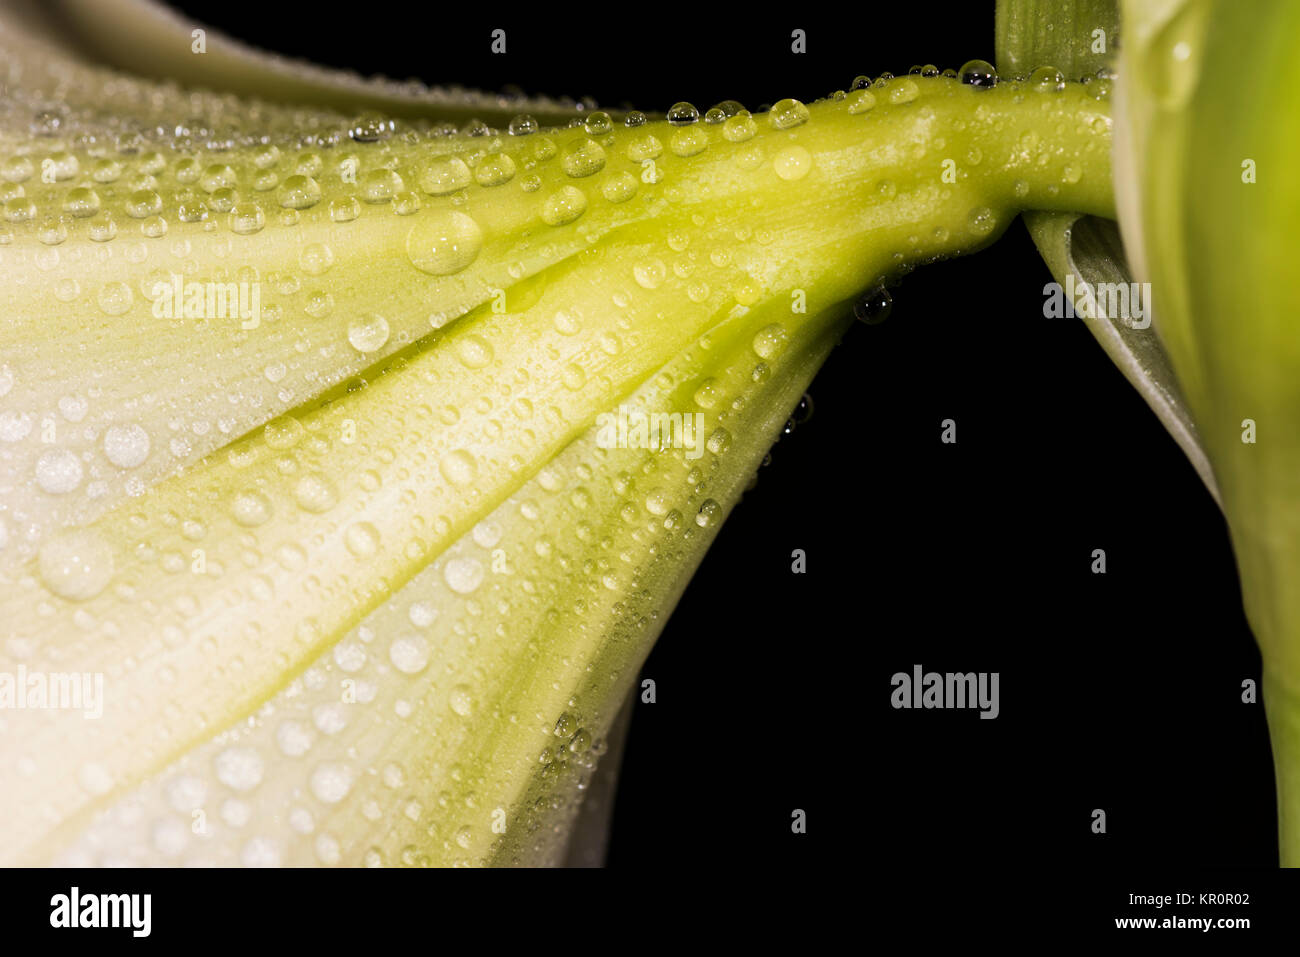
(1119, 692)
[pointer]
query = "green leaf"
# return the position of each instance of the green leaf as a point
(1090, 250)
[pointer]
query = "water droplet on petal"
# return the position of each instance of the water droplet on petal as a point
(368, 333)
(76, 565)
(444, 243)
(126, 445)
(564, 206)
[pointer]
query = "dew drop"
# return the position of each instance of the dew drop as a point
(247, 218)
(330, 782)
(344, 209)
(874, 307)
(81, 202)
(787, 114)
(463, 575)
(380, 186)
(443, 175)
(316, 259)
(445, 243)
(904, 91)
(142, 203)
(458, 467)
(978, 73)
(299, 192)
(574, 377)
(564, 206)
(58, 471)
(315, 493)
(126, 445)
(368, 333)
(522, 125)
(688, 141)
(76, 564)
(239, 768)
(293, 738)
(251, 509)
(283, 433)
(650, 274)
(619, 188)
(682, 114)
(583, 157)
(792, 163)
(495, 170)
(474, 352)
(362, 539)
(861, 101)
(709, 513)
(566, 323)
(409, 654)
(1047, 79)
(114, 298)
(598, 124)
(739, 128)
(770, 341)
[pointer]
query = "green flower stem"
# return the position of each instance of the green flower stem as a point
(1282, 708)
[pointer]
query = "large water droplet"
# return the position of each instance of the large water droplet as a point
(362, 539)
(251, 509)
(792, 163)
(458, 467)
(409, 654)
(368, 333)
(443, 175)
(770, 341)
(331, 782)
(58, 471)
(463, 575)
(682, 114)
(76, 565)
(978, 73)
(787, 114)
(583, 158)
(315, 493)
(444, 243)
(874, 307)
(564, 206)
(1047, 79)
(126, 445)
(239, 768)
(299, 192)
